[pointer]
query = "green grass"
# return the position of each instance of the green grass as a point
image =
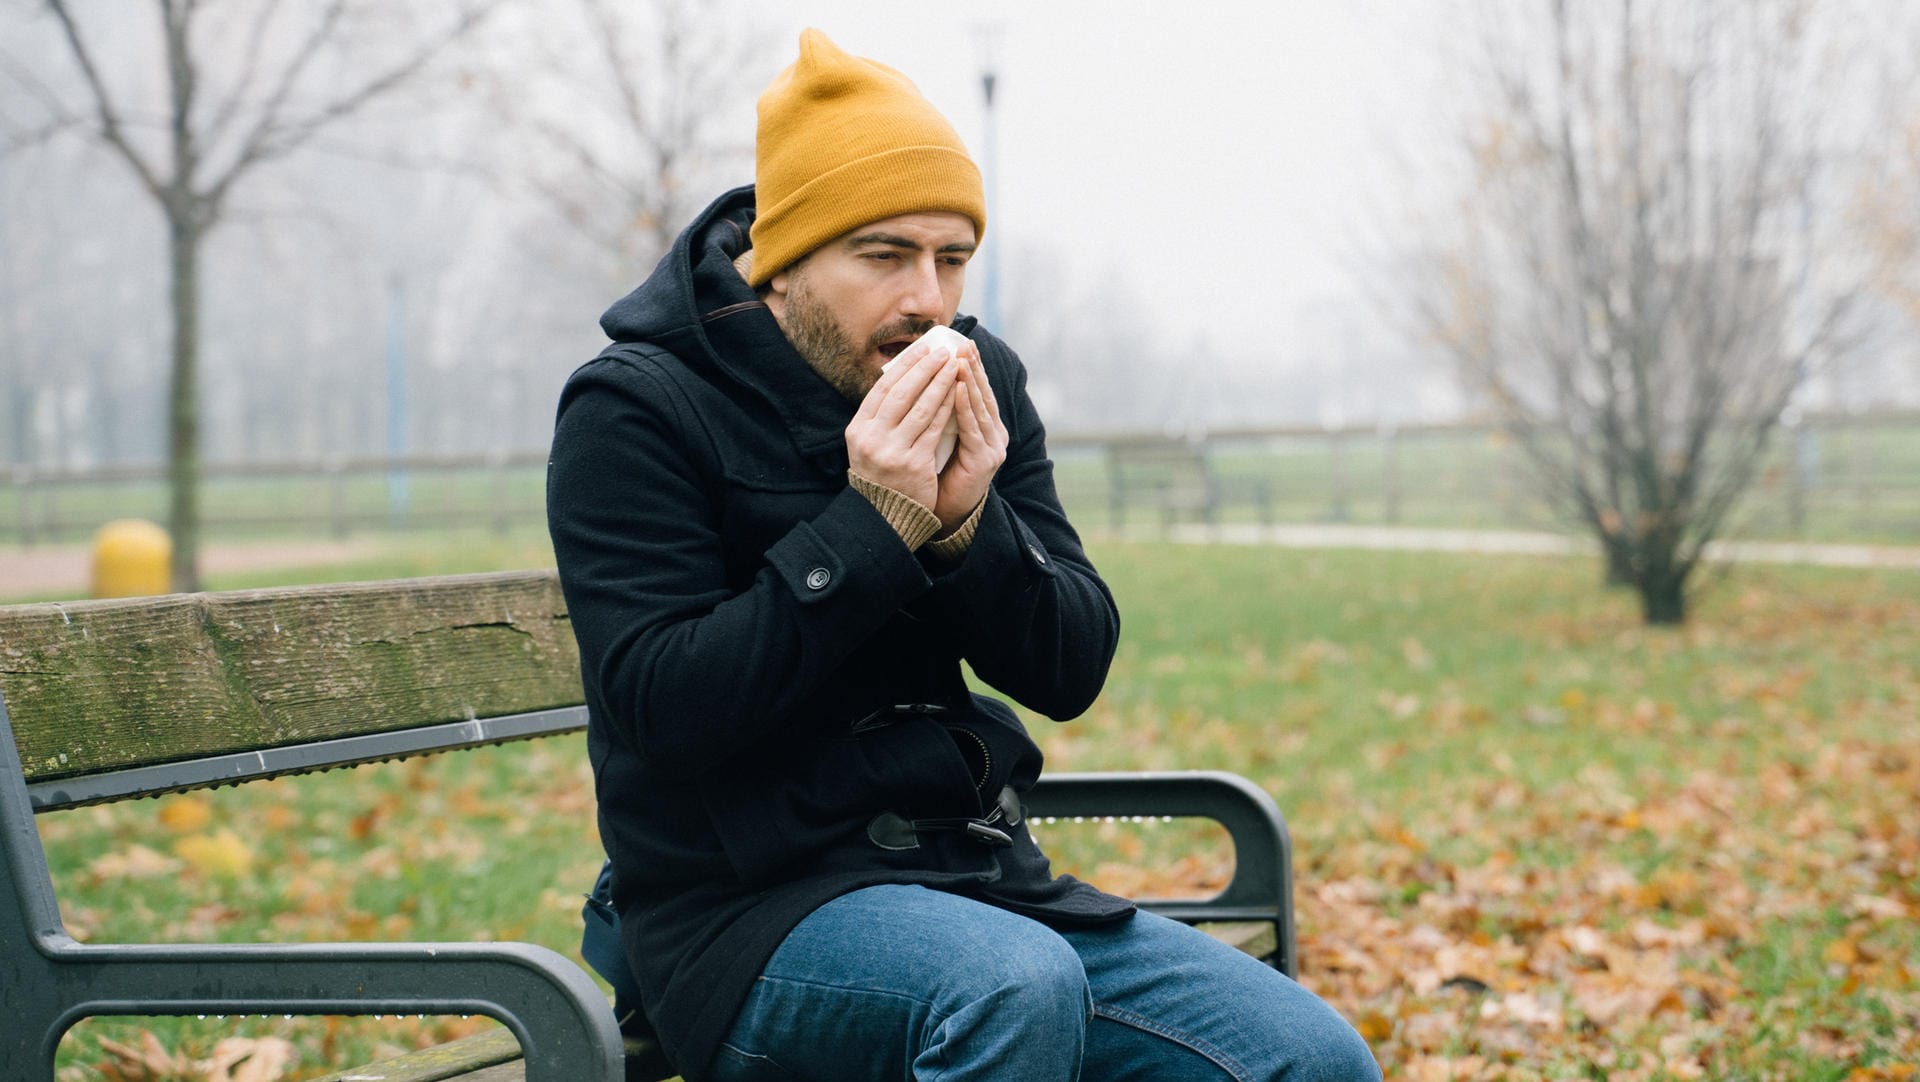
(1491, 749)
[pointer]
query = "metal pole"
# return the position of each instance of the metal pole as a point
(990, 175)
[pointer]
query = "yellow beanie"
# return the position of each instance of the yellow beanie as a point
(844, 141)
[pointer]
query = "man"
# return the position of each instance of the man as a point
(821, 865)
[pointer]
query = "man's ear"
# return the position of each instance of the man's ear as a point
(774, 292)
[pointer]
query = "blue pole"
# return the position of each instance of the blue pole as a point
(397, 400)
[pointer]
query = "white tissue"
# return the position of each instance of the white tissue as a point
(940, 339)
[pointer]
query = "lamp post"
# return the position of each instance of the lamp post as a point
(987, 35)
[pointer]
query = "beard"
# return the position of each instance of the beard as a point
(834, 354)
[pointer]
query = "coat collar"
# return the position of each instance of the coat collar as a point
(743, 340)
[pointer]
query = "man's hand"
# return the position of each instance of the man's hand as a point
(892, 438)
(982, 447)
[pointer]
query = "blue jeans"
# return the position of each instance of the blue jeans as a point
(897, 983)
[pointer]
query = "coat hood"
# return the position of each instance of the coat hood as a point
(696, 306)
(696, 276)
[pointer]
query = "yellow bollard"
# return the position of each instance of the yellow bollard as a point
(130, 558)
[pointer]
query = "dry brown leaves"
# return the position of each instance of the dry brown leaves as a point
(235, 1059)
(1511, 966)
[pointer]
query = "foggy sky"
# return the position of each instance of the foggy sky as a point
(1226, 161)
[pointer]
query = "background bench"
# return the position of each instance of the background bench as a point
(1168, 474)
(105, 701)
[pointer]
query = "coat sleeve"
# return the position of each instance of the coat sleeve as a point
(1030, 613)
(687, 669)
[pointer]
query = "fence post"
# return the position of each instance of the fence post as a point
(50, 504)
(1337, 473)
(1390, 470)
(497, 470)
(1864, 468)
(1800, 474)
(336, 474)
(23, 477)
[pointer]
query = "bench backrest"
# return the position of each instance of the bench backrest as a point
(111, 699)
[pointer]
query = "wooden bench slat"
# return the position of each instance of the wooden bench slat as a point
(1255, 937)
(455, 1059)
(104, 685)
(492, 1056)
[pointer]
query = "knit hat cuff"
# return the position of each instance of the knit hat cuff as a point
(900, 181)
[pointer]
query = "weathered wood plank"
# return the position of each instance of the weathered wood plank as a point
(1255, 937)
(455, 1059)
(103, 685)
(491, 1056)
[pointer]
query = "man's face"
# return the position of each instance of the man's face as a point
(859, 299)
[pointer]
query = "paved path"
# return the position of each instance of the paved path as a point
(43, 570)
(67, 570)
(1541, 544)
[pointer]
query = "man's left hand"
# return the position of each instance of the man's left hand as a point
(981, 449)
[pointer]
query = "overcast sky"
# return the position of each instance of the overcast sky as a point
(1222, 154)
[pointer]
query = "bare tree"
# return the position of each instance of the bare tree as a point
(652, 120)
(240, 93)
(1641, 267)
(1889, 208)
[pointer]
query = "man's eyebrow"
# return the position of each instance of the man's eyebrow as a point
(894, 240)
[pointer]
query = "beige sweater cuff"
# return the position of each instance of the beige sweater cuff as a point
(911, 519)
(954, 545)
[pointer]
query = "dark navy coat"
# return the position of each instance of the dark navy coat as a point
(742, 613)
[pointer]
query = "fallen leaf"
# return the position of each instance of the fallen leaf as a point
(134, 862)
(221, 854)
(149, 1062)
(184, 814)
(1878, 907)
(1374, 1026)
(248, 1059)
(1841, 952)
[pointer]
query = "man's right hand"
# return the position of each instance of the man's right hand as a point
(892, 438)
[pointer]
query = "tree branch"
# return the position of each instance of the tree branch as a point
(107, 117)
(274, 136)
(224, 115)
(276, 101)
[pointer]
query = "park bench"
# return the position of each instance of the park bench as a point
(110, 700)
(1169, 474)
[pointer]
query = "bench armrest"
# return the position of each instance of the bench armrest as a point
(1262, 884)
(554, 1010)
(48, 982)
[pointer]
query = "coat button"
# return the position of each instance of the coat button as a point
(818, 578)
(1038, 556)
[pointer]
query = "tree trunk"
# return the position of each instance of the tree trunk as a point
(1663, 600)
(1619, 557)
(183, 409)
(1662, 581)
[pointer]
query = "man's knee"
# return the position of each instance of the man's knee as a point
(1017, 1011)
(1036, 974)
(1339, 1055)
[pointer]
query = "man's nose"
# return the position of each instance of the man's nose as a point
(923, 299)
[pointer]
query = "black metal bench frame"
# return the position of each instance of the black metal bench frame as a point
(559, 1016)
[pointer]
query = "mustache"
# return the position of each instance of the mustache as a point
(906, 328)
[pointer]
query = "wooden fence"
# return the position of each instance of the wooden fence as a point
(1832, 478)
